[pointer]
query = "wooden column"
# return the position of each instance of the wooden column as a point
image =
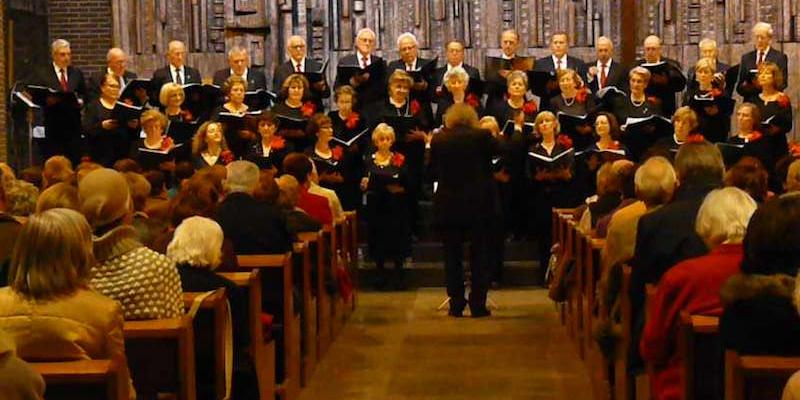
(628, 31)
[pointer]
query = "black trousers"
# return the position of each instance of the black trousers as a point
(453, 239)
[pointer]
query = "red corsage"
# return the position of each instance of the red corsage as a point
(414, 107)
(352, 120)
(308, 109)
(440, 91)
(277, 143)
(716, 92)
(783, 101)
(529, 108)
(226, 156)
(565, 141)
(472, 100)
(754, 135)
(337, 152)
(695, 138)
(614, 145)
(166, 143)
(653, 99)
(187, 116)
(794, 149)
(86, 159)
(580, 97)
(398, 159)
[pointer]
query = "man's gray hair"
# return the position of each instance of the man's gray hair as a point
(407, 35)
(724, 215)
(242, 177)
(114, 50)
(237, 50)
(458, 73)
(58, 44)
(655, 181)
(763, 26)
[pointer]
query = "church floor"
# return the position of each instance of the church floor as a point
(397, 346)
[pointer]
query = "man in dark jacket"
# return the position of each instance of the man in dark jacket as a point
(464, 202)
(666, 75)
(369, 80)
(239, 64)
(299, 63)
(175, 71)
(747, 85)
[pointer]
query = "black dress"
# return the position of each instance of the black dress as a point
(446, 100)
(106, 146)
(332, 164)
(758, 148)
(294, 135)
(279, 149)
(715, 128)
(776, 122)
(353, 164)
(623, 109)
(388, 227)
(581, 136)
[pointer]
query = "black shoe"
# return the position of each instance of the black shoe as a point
(480, 312)
(457, 309)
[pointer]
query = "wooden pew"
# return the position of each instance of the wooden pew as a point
(337, 303)
(262, 353)
(316, 243)
(84, 379)
(289, 388)
(302, 256)
(623, 386)
(352, 251)
(757, 377)
(215, 307)
(701, 357)
(575, 292)
(161, 356)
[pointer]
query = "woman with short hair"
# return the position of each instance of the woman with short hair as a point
(350, 130)
(269, 150)
(710, 102)
(775, 108)
(108, 138)
(295, 107)
(456, 82)
(574, 100)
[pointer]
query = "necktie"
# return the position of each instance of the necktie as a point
(760, 57)
(408, 67)
(603, 76)
(297, 68)
(63, 80)
(364, 62)
(178, 78)
(558, 65)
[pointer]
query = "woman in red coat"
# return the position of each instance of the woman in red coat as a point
(693, 285)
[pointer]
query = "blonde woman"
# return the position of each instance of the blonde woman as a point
(709, 100)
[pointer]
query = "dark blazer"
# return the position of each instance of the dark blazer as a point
(164, 75)
(255, 78)
(748, 62)
(546, 64)
(96, 80)
(75, 80)
(617, 76)
(61, 122)
(373, 90)
(666, 93)
(282, 71)
(461, 160)
(253, 227)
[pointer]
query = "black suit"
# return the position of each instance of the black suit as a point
(464, 204)
(63, 122)
(96, 80)
(546, 64)
(665, 93)
(164, 75)
(283, 71)
(748, 62)
(616, 75)
(372, 92)
(255, 78)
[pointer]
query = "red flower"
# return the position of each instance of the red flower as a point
(352, 120)
(653, 99)
(794, 149)
(166, 143)
(614, 145)
(440, 91)
(580, 97)
(472, 100)
(414, 107)
(695, 138)
(277, 143)
(716, 92)
(398, 159)
(226, 156)
(337, 152)
(308, 109)
(754, 135)
(529, 108)
(86, 159)
(783, 101)
(565, 141)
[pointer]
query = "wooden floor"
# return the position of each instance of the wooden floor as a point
(397, 346)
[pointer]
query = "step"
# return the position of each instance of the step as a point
(432, 274)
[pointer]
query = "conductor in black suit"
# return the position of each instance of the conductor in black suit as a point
(116, 64)
(175, 71)
(464, 204)
(299, 63)
(762, 39)
(604, 71)
(662, 86)
(371, 86)
(239, 63)
(62, 120)
(422, 89)
(558, 60)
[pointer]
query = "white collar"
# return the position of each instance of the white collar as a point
(460, 65)
(505, 57)
(765, 52)
(678, 142)
(608, 63)
(563, 60)
(413, 65)
(58, 71)
(265, 150)
(244, 74)
(173, 68)
(360, 56)
(301, 63)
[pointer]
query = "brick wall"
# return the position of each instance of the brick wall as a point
(3, 114)
(87, 25)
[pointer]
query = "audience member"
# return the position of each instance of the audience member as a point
(60, 195)
(300, 167)
(792, 183)
(21, 198)
(749, 175)
(33, 175)
(20, 381)
(297, 220)
(9, 231)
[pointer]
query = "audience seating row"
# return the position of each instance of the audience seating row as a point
(708, 372)
(161, 353)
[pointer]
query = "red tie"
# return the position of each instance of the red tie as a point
(297, 68)
(558, 65)
(603, 76)
(63, 80)
(364, 61)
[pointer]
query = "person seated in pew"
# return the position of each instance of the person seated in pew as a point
(792, 389)
(147, 229)
(157, 203)
(608, 197)
(20, 381)
(60, 195)
(196, 248)
(760, 312)
(318, 207)
(144, 282)
(57, 169)
(48, 310)
(625, 171)
(266, 190)
(297, 220)
(792, 183)
(693, 285)
(749, 175)
(9, 231)
(209, 146)
(172, 97)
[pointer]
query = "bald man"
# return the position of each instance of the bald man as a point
(763, 52)
(605, 71)
(116, 64)
(298, 62)
(666, 80)
(175, 71)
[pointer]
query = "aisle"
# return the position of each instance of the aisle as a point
(396, 346)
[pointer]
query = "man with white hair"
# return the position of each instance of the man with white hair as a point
(239, 65)
(175, 71)
(116, 64)
(708, 49)
(299, 63)
(763, 52)
(369, 80)
(604, 71)
(666, 75)
(252, 227)
(420, 69)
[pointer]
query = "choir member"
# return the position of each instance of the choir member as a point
(711, 103)
(385, 184)
(62, 116)
(299, 63)
(605, 71)
(456, 81)
(496, 81)
(295, 108)
(748, 140)
(172, 97)
(454, 52)
(751, 61)
(420, 70)
(108, 138)
(636, 105)
(116, 64)
(775, 109)
(708, 50)
(550, 167)
(350, 130)
(667, 78)
(327, 159)
(606, 148)
(370, 81)
(209, 147)
(684, 124)
(175, 71)
(270, 149)
(239, 65)
(236, 117)
(556, 61)
(574, 101)
(154, 143)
